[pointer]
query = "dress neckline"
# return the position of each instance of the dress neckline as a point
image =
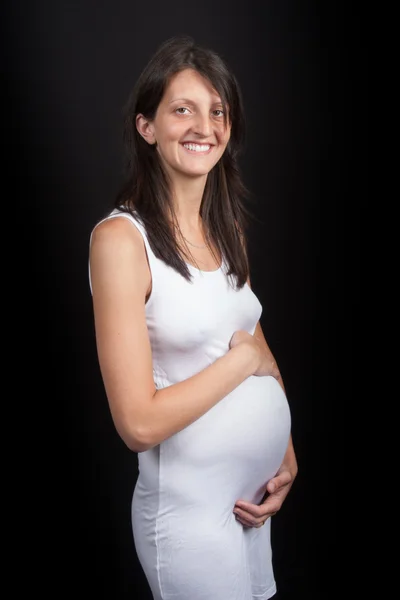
(201, 271)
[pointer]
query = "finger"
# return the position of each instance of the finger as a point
(250, 519)
(279, 481)
(254, 510)
(243, 522)
(248, 522)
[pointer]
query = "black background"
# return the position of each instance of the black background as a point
(68, 69)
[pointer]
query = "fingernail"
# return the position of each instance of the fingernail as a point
(272, 487)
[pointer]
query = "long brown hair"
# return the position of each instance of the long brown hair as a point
(146, 190)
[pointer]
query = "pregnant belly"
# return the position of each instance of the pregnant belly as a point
(232, 451)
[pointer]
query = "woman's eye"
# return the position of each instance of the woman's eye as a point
(181, 110)
(218, 112)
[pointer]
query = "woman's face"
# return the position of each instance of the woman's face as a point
(188, 127)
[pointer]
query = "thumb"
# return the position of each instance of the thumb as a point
(279, 481)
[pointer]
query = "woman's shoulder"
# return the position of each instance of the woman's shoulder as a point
(117, 233)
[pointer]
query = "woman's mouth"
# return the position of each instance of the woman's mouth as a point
(197, 148)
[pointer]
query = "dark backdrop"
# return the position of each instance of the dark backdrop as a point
(69, 66)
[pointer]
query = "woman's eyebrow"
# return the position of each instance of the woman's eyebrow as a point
(182, 100)
(190, 101)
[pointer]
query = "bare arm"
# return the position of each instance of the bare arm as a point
(144, 416)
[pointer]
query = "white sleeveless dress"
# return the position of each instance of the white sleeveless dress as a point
(187, 539)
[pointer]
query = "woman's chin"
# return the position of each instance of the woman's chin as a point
(193, 173)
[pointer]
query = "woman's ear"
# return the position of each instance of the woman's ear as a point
(146, 129)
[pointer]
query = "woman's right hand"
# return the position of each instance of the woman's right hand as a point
(264, 360)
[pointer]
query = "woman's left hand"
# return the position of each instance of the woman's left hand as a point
(255, 515)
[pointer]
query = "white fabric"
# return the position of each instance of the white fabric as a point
(186, 536)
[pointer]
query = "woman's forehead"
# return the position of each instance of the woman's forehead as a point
(190, 85)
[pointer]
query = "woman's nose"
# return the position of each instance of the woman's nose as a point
(202, 125)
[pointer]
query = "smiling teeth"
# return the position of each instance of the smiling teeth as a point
(197, 147)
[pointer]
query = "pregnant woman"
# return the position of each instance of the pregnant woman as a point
(191, 382)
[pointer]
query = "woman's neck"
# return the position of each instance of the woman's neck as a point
(187, 196)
